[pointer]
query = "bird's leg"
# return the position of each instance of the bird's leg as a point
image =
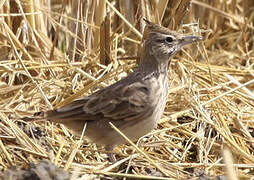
(111, 155)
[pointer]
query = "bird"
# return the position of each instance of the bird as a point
(133, 104)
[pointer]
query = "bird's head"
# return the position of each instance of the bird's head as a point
(163, 43)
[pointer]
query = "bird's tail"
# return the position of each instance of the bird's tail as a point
(38, 116)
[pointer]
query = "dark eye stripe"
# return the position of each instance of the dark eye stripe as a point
(168, 39)
(160, 40)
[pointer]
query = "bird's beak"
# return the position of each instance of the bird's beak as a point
(190, 39)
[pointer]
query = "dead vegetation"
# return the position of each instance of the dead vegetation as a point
(53, 52)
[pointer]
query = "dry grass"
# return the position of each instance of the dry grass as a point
(50, 55)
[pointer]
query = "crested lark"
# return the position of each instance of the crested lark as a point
(134, 104)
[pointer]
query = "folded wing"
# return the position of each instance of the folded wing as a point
(113, 103)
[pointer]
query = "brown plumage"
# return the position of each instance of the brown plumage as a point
(133, 104)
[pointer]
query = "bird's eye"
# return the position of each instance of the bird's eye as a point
(169, 39)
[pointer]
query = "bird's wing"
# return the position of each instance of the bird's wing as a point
(122, 102)
(119, 102)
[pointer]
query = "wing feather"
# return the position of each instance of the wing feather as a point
(116, 103)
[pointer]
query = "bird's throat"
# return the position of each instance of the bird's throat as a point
(152, 64)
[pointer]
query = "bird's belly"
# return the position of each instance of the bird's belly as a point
(102, 133)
